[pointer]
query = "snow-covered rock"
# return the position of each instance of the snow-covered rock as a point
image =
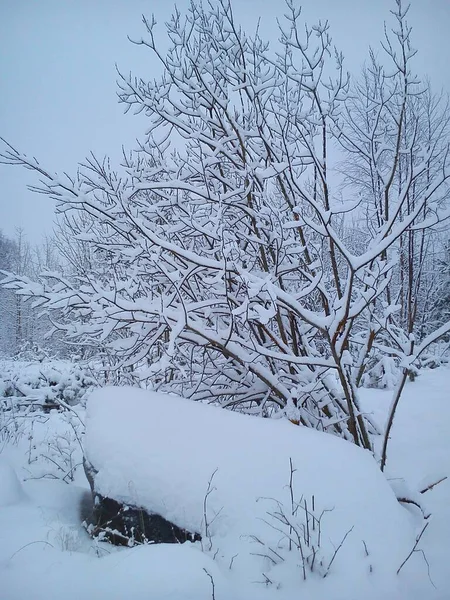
(227, 475)
(125, 524)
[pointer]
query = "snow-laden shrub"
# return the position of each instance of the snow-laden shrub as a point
(382, 372)
(55, 451)
(48, 382)
(28, 390)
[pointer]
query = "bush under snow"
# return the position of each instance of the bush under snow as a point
(43, 382)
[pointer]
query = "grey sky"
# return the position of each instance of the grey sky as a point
(57, 75)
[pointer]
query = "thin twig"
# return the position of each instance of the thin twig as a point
(413, 548)
(432, 485)
(428, 567)
(30, 544)
(213, 596)
(336, 551)
(264, 556)
(209, 490)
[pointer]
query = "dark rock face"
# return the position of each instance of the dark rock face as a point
(126, 525)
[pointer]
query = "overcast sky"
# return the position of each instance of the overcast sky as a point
(58, 80)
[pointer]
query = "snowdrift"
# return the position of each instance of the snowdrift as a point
(229, 476)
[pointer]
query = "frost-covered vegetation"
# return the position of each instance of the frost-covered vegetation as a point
(43, 382)
(277, 246)
(39, 401)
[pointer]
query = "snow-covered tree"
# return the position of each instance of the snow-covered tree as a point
(226, 269)
(7, 299)
(21, 327)
(397, 143)
(440, 306)
(17, 323)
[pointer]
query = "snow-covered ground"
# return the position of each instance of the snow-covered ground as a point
(46, 553)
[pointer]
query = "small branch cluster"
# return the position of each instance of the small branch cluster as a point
(301, 528)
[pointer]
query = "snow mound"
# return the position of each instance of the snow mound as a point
(227, 476)
(11, 491)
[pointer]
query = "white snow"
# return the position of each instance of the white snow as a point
(45, 554)
(11, 491)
